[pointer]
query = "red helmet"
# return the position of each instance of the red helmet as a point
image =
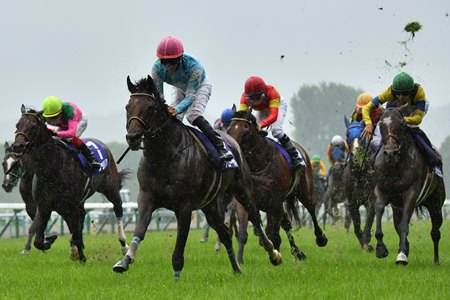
(169, 47)
(254, 86)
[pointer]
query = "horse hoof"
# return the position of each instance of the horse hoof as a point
(177, 275)
(276, 258)
(382, 252)
(402, 259)
(322, 241)
(121, 266)
(204, 240)
(74, 255)
(301, 256)
(51, 238)
(25, 251)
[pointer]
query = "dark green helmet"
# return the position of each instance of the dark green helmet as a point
(403, 82)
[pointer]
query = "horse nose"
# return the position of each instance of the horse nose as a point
(133, 137)
(7, 187)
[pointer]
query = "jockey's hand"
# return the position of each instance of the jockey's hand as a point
(172, 111)
(258, 127)
(368, 131)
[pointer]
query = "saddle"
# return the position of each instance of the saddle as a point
(97, 149)
(209, 148)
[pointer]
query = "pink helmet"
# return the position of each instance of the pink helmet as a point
(169, 47)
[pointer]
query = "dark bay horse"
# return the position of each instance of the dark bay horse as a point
(17, 169)
(335, 194)
(61, 185)
(176, 172)
(403, 179)
(359, 182)
(275, 184)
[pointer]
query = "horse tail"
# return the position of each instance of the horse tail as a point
(123, 175)
(293, 212)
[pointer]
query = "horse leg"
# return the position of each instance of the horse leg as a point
(321, 238)
(287, 227)
(25, 189)
(31, 232)
(367, 233)
(145, 216)
(436, 223)
(356, 218)
(242, 234)
(206, 234)
(40, 223)
(214, 219)
(401, 223)
(113, 196)
(348, 219)
(76, 222)
(381, 250)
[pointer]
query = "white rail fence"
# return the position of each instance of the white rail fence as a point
(100, 218)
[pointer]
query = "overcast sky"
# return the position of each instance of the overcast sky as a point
(83, 50)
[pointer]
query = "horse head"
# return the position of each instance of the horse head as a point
(392, 129)
(13, 169)
(354, 130)
(31, 132)
(244, 129)
(146, 112)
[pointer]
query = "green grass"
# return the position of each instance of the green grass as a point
(338, 271)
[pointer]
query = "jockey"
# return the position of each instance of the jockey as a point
(224, 121)
(68, 123)
(318, 165)
(272, 109)
(337, 150)
(404, 91)
(357, 115)
(191, 88)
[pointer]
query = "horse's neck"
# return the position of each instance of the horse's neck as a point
(170, 141)
(48, 159)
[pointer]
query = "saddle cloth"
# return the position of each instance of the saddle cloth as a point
(97, 149)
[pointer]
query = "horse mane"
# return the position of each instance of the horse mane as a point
(245, 115)
(146, 85)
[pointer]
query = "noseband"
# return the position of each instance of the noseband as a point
(148, 134)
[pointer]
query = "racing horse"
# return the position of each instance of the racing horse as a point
(359, 183)
(335, 194)
(403, 179)
(177, 173)
(17, 169)
(319, 188)
(60, 184)
(275, 183)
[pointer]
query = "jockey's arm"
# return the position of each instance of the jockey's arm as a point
(418, 115)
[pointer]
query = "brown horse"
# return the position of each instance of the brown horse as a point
(359, 183)
(17, 169)
(61, 185)
(275, 183)
(176, 172)
(402, 179)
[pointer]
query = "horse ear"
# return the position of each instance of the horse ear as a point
(347, 121)
(151, 84)
(131, 86)
(249, 112)
(233, 109)
(6, 145)
(23, 109)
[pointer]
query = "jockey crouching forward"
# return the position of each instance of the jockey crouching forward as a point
(191, 88)
(404, 91)
(70, 123)
(271, 110)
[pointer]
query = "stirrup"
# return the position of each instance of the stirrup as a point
(225, 156)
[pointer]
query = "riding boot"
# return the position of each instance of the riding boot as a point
(214, 137)
(87, 153)
(297, 160)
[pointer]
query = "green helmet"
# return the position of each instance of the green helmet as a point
(403, 82)
(52, 106)
(315, 158)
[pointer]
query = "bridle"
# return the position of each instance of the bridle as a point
(148, 134)
(29, 141)
(249, 153)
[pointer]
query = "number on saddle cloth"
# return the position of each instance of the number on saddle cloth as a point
(212, 152)
(98, 151)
